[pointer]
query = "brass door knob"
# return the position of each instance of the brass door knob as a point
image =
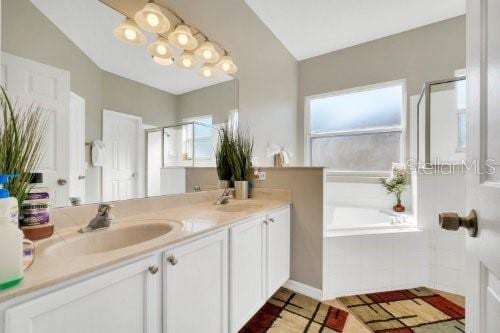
(452, 221)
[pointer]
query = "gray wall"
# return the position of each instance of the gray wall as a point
(426, 53)
(216, 100)
(268, 73)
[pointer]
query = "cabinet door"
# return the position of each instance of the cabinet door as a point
(278, 250)
(247, 271)
(125, 300)
(196, 286)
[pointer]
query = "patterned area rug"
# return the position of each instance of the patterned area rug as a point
(418, 310)
(290, 312)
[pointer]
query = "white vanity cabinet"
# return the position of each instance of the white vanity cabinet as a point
(247, 270)
(278, 250)
(259, 263)
(125, 300)
(195, 286)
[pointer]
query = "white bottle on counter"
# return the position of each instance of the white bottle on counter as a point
(11, 239)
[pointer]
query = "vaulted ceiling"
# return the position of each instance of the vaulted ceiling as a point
(310, 28)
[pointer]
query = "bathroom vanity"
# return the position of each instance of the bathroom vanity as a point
(193, 267)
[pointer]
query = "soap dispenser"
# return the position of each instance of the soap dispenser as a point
(11, 239)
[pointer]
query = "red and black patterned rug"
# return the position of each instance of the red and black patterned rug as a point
(418, 310)
(290, 312)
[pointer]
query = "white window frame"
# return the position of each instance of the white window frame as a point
(308, 136)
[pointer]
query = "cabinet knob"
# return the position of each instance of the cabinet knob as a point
(172, 260)
(266, 222)
(62, 182)
(153, 269)
(271, 220)
(452, 221)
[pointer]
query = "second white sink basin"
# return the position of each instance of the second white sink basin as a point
(114, 238)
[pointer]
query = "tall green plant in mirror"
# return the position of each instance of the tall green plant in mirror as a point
(222, 153)
(21, 135)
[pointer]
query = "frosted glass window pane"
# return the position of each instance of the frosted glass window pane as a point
(367, 152)
(357, 111)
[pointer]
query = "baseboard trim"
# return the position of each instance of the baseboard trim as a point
(304, 289)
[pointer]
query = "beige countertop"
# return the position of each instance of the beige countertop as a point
(197, 219)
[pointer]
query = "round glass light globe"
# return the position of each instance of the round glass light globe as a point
(207, 54)
(182, 39)
(226, 67)
(152, 19)
(161, 49)
(207, 72)
(130, 34)
(187, 62)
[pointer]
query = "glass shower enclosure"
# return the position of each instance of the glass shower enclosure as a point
(172, 149)
(441, 124)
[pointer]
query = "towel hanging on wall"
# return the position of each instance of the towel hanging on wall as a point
(98, 151)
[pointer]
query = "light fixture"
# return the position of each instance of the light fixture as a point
(163, 61)
(207, 53)
(186, 60)
(226, 64)
(207, 71)
(183, 38)
(129, 32)
(152, 19)
(160, 48)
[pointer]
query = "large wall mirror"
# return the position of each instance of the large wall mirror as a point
(119, 125)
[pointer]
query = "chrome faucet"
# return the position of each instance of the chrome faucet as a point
(224, 198)
(101, 221)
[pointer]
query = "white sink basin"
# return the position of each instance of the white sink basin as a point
(114, 238)
(235, 207)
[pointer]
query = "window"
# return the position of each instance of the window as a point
(357, 131)
(202, 128)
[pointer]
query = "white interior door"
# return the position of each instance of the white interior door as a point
(483, 148)
(77, 165)
(121, 139)
(32, 83)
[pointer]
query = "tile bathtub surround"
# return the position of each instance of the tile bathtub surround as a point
(197, 210)
(370, 263)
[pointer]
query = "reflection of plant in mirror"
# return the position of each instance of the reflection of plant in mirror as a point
(240, 157)
(21, 133)
(222, 153)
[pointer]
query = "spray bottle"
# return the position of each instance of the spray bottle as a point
(11, 239)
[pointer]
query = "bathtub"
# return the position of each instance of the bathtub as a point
(363, 252)
(346, 221)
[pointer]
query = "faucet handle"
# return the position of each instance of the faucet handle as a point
(105, 209)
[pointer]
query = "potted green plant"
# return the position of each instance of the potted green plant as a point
(21, 134)
(240, 161)
(396, 184)
(222, 153)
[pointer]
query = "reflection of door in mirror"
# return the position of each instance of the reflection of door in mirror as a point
(77, 165)
(32, 83)
(120, 179)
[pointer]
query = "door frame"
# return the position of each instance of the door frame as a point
(79, 99)
(139, 180)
